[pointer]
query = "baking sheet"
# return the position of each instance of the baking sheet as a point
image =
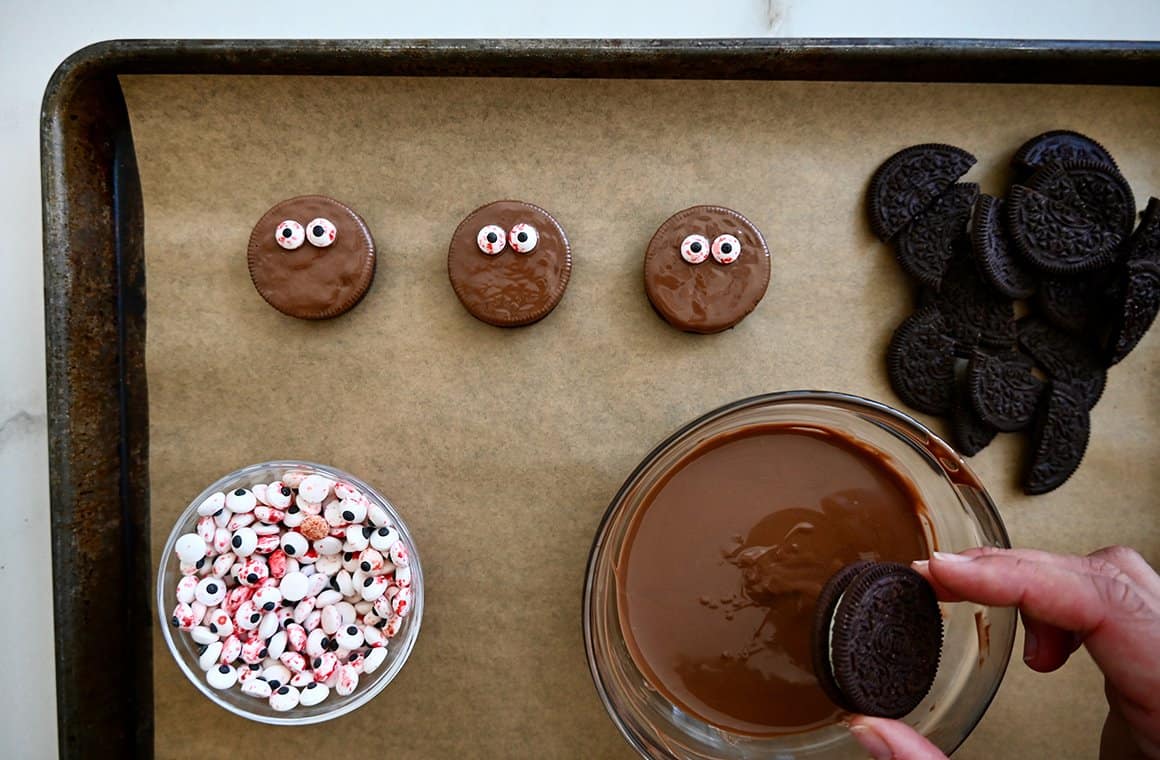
(502, 447)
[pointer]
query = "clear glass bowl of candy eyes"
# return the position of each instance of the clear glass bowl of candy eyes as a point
(290, 593)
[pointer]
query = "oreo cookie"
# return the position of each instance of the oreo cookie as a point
(1058, 441)
(993, 252)
(1003, 390)
(1145, 241)
(974, 311)
(1065, 358)
(1055, 236)
(1056, 146)
(1073, 304)
(926, 246)
(1095, 189)
(970, 433)
(878, 652)
(920, 362)
(909, 181)
(1136, 310)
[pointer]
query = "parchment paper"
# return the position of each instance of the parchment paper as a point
(502, 448)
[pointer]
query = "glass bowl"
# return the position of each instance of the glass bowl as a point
(185, 650)
(959, 515)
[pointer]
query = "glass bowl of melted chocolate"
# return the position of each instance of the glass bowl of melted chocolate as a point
(703, 579)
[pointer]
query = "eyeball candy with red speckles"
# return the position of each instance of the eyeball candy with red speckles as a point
(382, 538)
(290, 235)
(374, 659)
(190, 548)
(241, 500)
(295, 544)
(279, 495)
(347, 680)
(313, 694)
(315, 488)
(222, 677)
(374, 587)
(400, 557)
(206, 528)
(350, 637)
(353, 510)
(267, 598)
(186, 588)
(212, 505)
(244, 542)
(210, 591)
(284, 698)
(277, 644)
(256, 687)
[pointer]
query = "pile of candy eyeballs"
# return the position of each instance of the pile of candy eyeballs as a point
(292, 588)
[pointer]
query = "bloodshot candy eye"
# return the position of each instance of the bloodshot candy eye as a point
(726, 249)
(491, 239)
(523, 238)
(321, 232)
(695, 249)
(290, 235)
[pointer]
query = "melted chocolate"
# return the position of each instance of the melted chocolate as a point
(310, 282)
(721, 569)
(509, 289)
(706, 297)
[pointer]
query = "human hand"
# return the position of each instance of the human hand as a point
(1108, 601)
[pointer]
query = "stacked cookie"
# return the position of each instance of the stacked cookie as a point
(1059, 249)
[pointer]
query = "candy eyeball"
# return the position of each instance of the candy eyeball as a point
(290, 234)
(523, 238)
(491, 239)
(726, 249)
(321, 232)
(695, 249)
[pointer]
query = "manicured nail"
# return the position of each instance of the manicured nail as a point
(871, 742)
(947, 557)
(920, 564)
(1030, 646)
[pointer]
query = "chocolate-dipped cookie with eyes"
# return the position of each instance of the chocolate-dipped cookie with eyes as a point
(706, 268)
(509, 263)
(311, 257)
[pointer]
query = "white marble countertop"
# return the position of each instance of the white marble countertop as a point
(37, 37)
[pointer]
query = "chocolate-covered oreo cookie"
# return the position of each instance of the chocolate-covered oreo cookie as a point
(920, 362)
(1067, 359)
(509, 263)
(926, 246)
(1139, 302)
(1003, 389)
(1056, 146)
(880, 651)
(993, 252)
(706, 268)
(311, 257)
(1059, 439)
(909, 181)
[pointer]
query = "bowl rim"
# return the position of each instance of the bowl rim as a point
(825, 397)
(291, 718)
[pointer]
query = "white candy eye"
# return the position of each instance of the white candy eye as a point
(290, 235)
(695, 249)
(523, 238)
(320, 232)
(726, 249)
(491, 239)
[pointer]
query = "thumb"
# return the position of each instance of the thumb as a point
(892, 740)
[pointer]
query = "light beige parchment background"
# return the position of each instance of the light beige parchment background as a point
(502, 448)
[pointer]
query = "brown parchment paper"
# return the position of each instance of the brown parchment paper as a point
(502, 448)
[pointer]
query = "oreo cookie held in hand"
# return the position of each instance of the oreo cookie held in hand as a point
(877, 639)
(311, 257)
(706, 269)
(509, 263)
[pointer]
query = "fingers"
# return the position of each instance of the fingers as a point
(1123, 559)
(892, 740)
(1046, 647)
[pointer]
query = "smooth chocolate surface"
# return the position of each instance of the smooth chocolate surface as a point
(721, 569)
(509, 289)
(708, 297)
(311, 282)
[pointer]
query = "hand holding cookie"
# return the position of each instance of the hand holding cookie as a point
(1108, 601)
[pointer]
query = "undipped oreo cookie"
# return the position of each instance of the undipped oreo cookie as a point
(926, 246)
(1059, 440)
(1136, 310)
(1059, 145)
(993, 253)
(920, 362)
(877, 638)
(1003, 389)
(909, 181)
(1065, 358)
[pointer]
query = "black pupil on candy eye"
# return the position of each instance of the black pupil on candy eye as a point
(224, 669)
(268, 606)
(240, 492)
(348, 556)
(293, 510)
(286, 490)
(284, 690)
(348, 516)
(211, 588)
(368, 581)
(492, 237)
(317, 661)
(726, 248)
(252, 577)
(366, 566)
(695, 247)
(287, 232)
(289, 549)
(352, 630)
(318, 230)
(367, 532)
(255, 617)
(383, 531)
(237, 542)
(522, 237)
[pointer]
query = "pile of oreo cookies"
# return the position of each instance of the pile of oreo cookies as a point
(1058, 252)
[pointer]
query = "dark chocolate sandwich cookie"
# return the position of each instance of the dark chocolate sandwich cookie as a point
(974, 311)
(1058, 440)
(880, 649)
(993, 252)
(909, 181)
(920, 362)
(1066, 359)
(1055, 236)
(970, 433)
(926, 246)
(1073, 303)
(509, 263)
(1145, 241)
(1136, 310)
(1003, 389)
(1059, 145)
(311, 257)
(1096, 190)
(706, 269)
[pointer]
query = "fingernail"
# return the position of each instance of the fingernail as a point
(920, 564)
(1030, 646)
(947, 557)
(871, 742)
